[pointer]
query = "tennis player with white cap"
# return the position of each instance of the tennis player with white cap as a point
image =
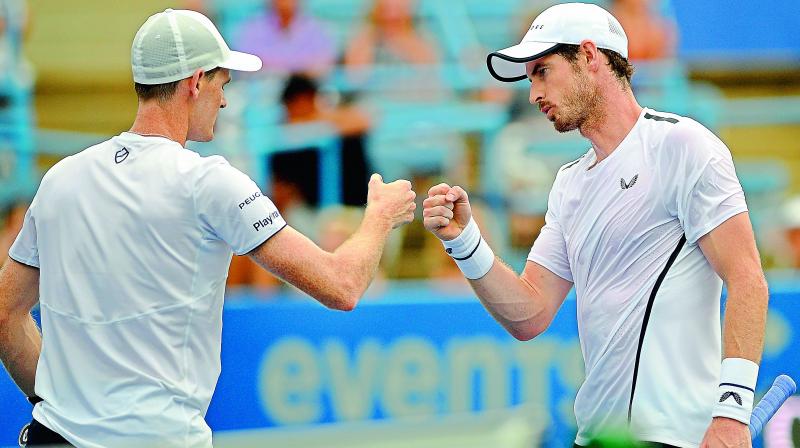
(647, 225)
(127, 244)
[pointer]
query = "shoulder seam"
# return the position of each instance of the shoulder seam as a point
(649, 116)
(571, 164)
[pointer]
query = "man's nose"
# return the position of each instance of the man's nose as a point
(536, 94)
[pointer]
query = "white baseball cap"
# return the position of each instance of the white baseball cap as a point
(172, 44)
(568, 23)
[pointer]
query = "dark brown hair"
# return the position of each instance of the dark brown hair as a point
(163, 92)
(620, 66)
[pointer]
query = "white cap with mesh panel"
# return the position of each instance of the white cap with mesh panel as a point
(567, 23)
(172, 44)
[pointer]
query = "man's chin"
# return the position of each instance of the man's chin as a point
(564, 127)
(202, 138)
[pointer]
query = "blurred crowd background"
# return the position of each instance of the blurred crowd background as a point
(400, 87)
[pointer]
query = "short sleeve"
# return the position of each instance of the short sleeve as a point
(232, 208)
(550, 247)
(25, 248)
(706, 189)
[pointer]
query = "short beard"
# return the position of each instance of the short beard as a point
(580, 106)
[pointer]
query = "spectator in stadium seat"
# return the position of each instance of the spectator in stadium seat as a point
(391, 41)
(390, 37)
(15, 70)
(790, 223)
(12, 224)
(304, 104)
(295, 174)
(288, 40)
(650, 35)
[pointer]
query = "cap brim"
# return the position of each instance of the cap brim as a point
(244, 62)
(508, 64)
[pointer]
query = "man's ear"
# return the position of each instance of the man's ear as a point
(591, 55)
(194, 83)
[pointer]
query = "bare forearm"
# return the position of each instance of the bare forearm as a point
(335, 279)
(512, 301)
(745, 319)
(355, 263)
(20, 345)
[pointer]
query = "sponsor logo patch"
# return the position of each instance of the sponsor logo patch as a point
(262, 223)
(625, 185)
(736, 397)
(250, 199)
(121, 155)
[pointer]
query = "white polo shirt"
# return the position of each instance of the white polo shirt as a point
(133, 239)
(625, 232)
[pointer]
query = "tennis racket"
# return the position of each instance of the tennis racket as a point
(783, 388)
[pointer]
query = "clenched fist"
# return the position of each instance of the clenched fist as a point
(393, 202)
(446, 211)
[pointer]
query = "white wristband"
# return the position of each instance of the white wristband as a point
(736, 389)
(472, 255)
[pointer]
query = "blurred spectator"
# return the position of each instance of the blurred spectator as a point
(791, 232)
(525, 174)
(650, 35)
(11, 225)
(199, 6)
(14, 69)
(287, 40)
(390, 58)
(390, 37)
(337, 224)
(295, 174)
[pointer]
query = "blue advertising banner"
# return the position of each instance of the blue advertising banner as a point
(304, 364)
(407, 354)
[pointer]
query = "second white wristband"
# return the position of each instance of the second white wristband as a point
(736, 389)
(471, 253)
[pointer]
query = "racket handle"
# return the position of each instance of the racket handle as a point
(783, 388)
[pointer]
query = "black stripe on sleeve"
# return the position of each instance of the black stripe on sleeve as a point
(646, 319)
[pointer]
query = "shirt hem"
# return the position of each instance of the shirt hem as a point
(648, 438)
(260, 242)
(40, 416)
(715, 223)
(654, 438)
(581, 441)
(22, 260)
(547, 266)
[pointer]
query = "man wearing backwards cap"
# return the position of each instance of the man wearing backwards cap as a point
(127, 246)
(647, 225)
